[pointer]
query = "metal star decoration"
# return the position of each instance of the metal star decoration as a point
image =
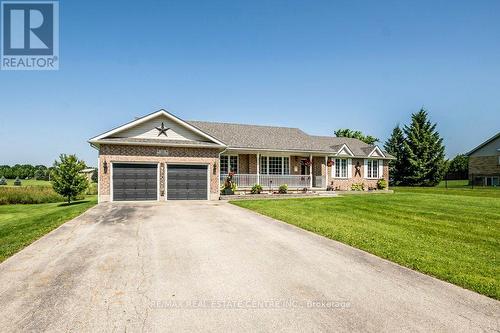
(162, 129)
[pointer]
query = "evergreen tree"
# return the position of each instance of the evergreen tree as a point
(66, 177)
(424, 152)
(395, 146)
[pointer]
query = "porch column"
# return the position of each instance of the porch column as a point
(326, 171)
(311, 171)
(258, 168)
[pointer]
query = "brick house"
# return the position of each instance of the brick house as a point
(162, 157)
(484, 163)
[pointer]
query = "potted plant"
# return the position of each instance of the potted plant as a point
(229, 186)
(306, 162)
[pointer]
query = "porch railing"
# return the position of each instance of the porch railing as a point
(319, 181)
(271, 181)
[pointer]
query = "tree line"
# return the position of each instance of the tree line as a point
(419, 153)
(25, 171)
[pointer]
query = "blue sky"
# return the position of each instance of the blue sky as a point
(317, 65)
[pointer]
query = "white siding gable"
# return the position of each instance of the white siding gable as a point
(147, 130)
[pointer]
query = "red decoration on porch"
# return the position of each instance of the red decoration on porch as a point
(330, 163)
(306, 162)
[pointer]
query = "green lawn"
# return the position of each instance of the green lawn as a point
(21, 225)
(29, 182)
(453, 234)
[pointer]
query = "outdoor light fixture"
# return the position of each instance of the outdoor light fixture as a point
(215, 168)
(105, 167)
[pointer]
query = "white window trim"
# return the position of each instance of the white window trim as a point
(348, 166)
(380, 168)
(282, 164)
(229, 163)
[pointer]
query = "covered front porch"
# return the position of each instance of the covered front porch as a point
(273, 169)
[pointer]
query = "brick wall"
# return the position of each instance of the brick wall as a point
(122, 153)
(483, 165)
(252, 164)
(243, 163)
(345, 184)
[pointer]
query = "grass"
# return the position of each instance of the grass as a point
(451, 234)
(29, 182)
(28, 195)
(21, 225)
(455, 187)
(38, 191)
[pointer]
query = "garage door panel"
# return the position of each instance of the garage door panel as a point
(135, 181)
(187, 182)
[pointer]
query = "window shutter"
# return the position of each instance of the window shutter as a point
(365, 169)
(380, 168)
(349, 168)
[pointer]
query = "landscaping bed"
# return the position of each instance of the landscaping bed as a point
(272, 196)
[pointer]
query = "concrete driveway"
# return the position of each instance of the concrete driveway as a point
(210, 266)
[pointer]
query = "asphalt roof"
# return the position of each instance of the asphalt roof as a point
(279, 138)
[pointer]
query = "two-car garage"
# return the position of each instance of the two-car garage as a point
(140, 181)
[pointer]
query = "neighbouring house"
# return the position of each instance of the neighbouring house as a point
(484, 163)
(88, 173)
(162, 157)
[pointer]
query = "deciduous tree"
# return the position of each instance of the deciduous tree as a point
(347, 133)
(66, 177)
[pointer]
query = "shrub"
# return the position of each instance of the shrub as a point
(3, 181)
(17, 182)
(92, 189)
(256, 189)
(28, 195)
(382, 184)
(357, 187)
(283, 189)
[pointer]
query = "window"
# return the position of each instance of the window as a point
(228, 164)
(224, 165)
(372, 169)
(274, 165)
(263, 165)
(286, 165)
(340, 169)
(233, 164)
(491, 181)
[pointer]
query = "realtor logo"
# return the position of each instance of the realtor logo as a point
(30, 35)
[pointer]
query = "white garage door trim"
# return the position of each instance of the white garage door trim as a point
(111, 163)
(187, 163)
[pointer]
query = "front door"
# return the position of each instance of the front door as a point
(304, 169)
